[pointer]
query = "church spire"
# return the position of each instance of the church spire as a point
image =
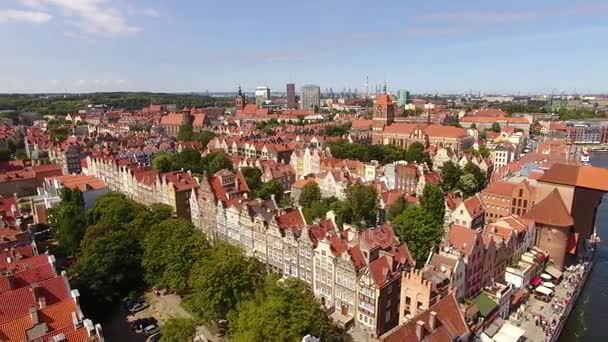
(384, 88)
(240, 92)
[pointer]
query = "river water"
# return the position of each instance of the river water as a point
(589, 318)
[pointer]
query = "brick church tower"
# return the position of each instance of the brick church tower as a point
(384, 115)
(240, 100)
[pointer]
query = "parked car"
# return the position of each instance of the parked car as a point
(154, 338)
(151, 329)
(138, 325)
(128, 304)
(138, 307)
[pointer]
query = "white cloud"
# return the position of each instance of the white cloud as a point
(93, 17)
(151, 12)
(34, 17)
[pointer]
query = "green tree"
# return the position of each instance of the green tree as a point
(270, 188)
(68, 221)
(178, 330)
(205, 137)
(397, 208)
(363, 202)
(480, 176)
(114, 210)
(416, 153)
(419, 230)
(5, 155)
(222, 280)
(310, 194)
(107, 271)
(185, 133)
(282, 311)
(162, 161)
(216, 161)
(144, 220)
(170, 249)
(188, 159)
(495, 127)
(433, 201)
(450, 174)
(314, 211)
(468, 184)
(253, 177)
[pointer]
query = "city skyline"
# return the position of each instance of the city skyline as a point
(184, 46)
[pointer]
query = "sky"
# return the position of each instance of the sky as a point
(425, 46)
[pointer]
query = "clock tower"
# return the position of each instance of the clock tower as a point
(384, 115)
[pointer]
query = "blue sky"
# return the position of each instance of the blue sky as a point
(197, 45)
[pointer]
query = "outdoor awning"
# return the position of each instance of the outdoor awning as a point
(545, 276)
(536, 280)
(554, 272)
(548, 285)
(543, 290)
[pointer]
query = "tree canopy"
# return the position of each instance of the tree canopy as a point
(282, 311)
(310, 194)
(450, 174)
(178, 330)
(222, 280)
(185, 133)
(420, 230)
(356, 151)
(205, 137)
(363, 203)
(171, 248)
(68, 221)
(433, 202)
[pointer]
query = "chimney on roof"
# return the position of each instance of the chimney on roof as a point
(420, 330)
(34, 316)
(59, 338)
(432, 321)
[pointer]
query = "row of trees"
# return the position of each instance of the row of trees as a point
(360, 208)
(186, 133)
(122, 247)
(469, 179)
(337, 131)
(191, 159)
(384, 154)
(62, 105)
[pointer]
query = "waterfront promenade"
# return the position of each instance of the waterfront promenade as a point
(541, 320)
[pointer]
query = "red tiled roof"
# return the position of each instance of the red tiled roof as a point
(575, 175)
(433, 131)
(27, 277)
(551, 210)
(511, 120)
(291, 220)
(500, 188)
(384, 100)
(18, 302)
(383, 237)
(338, 246)
(357, 256)
(172, 119)
(82, 182)
(474, 206)
(449, 324)
(381, 269)
(462, 238)
(56, 316)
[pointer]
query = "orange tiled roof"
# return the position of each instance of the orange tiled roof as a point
(462, 238)
(449, 325)
(551, 211)
(384, 100)
(584, 176)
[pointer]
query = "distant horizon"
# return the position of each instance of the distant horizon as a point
(283, 93)
(182, 46)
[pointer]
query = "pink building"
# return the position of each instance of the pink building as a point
(468, 242)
